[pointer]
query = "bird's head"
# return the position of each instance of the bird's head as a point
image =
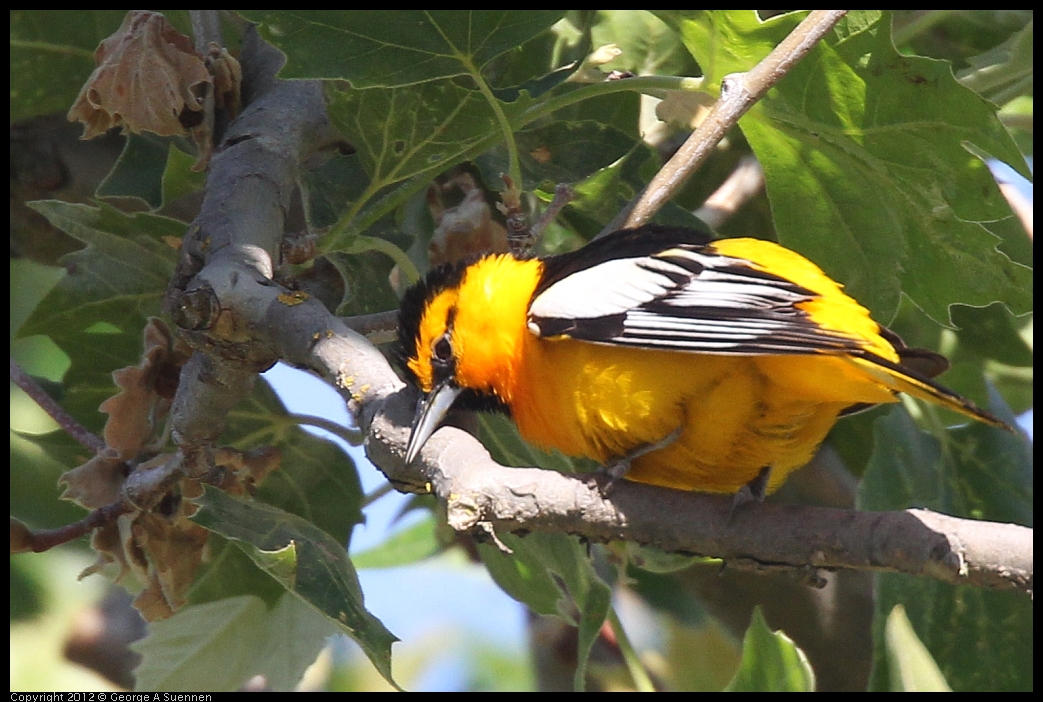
(460, 337)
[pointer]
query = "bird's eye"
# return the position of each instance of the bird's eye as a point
(443, 349)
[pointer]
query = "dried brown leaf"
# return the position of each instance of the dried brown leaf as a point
(97, 482)
(129, 427)
(466, 229)
(246, 469)
(228, 77)
(146, 391)
(160, 546)
(174, 547)
(108, 544)
(151, 603)
(149, 78)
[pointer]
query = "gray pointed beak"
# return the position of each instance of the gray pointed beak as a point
(430, 411)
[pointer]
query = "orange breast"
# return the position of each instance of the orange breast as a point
(739, 414)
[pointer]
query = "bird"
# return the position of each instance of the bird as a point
(672, 358)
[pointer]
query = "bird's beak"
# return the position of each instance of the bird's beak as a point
(430, 411)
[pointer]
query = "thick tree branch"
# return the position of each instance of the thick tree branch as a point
(223, 296)
(482, 496)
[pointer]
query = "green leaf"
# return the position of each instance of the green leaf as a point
(552, 574)
(728, 41)
(366, 280)
(317, 480)
(407, 134)
(306, 560)
(139, 170)
(549, 573)
(648, 45)
(771, 662)
(228, 573)
(220, 645)
(866, 164)
(125, 263)
(1017, 244)
(377, 48)
(402, 132)
(34, 489)
(560, 152)
(178, 177)
(404, 547)
(52, 55)
(973, 471)
(992, 332)
(96, 312)
(1005, 71)
(910, 664)
(338, 181)
(500, 436)
(976, 636)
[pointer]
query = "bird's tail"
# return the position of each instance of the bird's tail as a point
(910, 376)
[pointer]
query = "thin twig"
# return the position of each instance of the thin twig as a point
(563, 195)
(352, 436)
(45, 539)
(377, 494)
(379, 328)
(744, 182)
(206, 28)
(65, 420)
(739, 92)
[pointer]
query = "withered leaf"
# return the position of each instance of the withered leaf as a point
(149, 78)
(95, 483)
(228, 78)
(466, 229)
(174, 547)
(146, 391)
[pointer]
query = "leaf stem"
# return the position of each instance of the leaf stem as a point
(642, 681)
(514, 163)
(361, 244)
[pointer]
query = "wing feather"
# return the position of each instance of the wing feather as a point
(685, 297)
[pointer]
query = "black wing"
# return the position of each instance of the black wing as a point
(665, 288)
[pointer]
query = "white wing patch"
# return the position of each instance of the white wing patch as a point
(608, 288)
(685, 300)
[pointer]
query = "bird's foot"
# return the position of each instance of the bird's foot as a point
(619, 467)
(753, 491)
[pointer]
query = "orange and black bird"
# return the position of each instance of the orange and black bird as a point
(687, 362)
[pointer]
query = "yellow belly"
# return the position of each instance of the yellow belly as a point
(739, 414)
